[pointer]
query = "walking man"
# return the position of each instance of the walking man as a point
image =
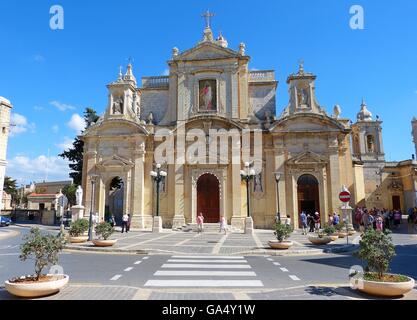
(303, 219)
(125, 220)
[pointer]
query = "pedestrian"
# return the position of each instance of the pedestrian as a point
(288, 220)
(223, 224)
(200, 222)
(129, 220)
(397, 218)
(336, 219)
(331, 219)
(411, 221)
(125, 220)
(365, 220)
(311, 223)
(278, 217)
(379, 223)
(303, 219)
(316, 221)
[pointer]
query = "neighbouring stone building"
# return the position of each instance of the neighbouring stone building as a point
(5, 110)
(211, 87)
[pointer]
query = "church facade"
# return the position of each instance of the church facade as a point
(300, 158)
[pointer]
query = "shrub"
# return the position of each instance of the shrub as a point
(377, 250)
(340, 227)
(78, 227)
(44, 249)
(329, 230)
(104, 230)
(282, 231)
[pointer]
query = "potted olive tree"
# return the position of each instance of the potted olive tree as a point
(377, 250)
(320, 239)
(103, 231)
(330, 231)
(282, 232)
(77, 230)
(44, 249)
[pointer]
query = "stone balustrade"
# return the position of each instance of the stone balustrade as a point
(262, 76)
(155, 82)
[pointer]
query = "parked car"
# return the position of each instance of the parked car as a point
(4, 222)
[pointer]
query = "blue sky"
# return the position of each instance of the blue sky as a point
(52, 75)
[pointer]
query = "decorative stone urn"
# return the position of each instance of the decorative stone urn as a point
(37, 289)
(104, 243)
(386, 289)
(319, 241)
(284, 245)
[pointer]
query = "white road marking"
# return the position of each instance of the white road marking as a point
(209, 257)
(9, 254)
(295, 278)
(284, 269)
(270, 259)
(277, 263)
(218, 246)
(206, 261)
(206, 273)
(145, 258)
(257, 241)
(207, 266)
(116, 277)
(204, 283)
(128, 269)
(138, 262)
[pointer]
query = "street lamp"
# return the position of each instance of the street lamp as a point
(247, 175)
(277, 179)
(90, 222)
(158, 176)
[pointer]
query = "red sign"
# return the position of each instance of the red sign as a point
(344, 196)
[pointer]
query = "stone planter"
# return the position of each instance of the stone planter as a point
(319, 241)
(333, 237)
(341, 235)
(37, 289)
(284, 245)
(386, 289)
(352, 232)
(80, 239)
(104, 243)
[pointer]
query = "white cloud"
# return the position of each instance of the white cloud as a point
(38, 58)
(77, 123)
(38, 108)
(166, 72)
(65, 144)
(25, 169)
(20, 125)
(61, 106)
(55, 128)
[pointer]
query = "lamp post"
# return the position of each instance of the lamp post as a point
(247, 175)
(277, 179)
(90, 222)
(157, 176)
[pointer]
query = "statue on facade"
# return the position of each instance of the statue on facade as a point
(150, 118)
(258, 183)
(118, 106)
(79, 196)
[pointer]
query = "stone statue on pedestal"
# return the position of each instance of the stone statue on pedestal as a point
(79, 195)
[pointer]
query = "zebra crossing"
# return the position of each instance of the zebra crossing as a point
(205, 272)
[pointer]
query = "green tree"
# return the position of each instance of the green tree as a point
(10, 187)
(69, 192)
(75, 154)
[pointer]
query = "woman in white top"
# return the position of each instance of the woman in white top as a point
(288, 220)
(223, 225)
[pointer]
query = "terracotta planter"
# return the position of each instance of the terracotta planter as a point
(37, 289)
(386, 289)
(319, 241)
(80, 239)
(104, 243)
(333, 237)
(284, 245)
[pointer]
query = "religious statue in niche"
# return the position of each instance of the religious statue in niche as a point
(371, 145)
(207, 95)
(257, 184)
(303, 97)
(118, 106)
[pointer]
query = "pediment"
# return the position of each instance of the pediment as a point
(206, 51)
(115, 162)
(116, 127)
(307, 158)
(307, 122)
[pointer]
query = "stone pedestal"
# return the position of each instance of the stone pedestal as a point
(178, 222)
(157, 225)
(77, 212)
(249, 225)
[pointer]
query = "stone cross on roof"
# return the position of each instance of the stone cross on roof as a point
(208, 15)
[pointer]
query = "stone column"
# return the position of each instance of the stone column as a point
(238, 219)
(179, 218)
(137, 189)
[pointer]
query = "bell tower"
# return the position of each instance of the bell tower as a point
(124, 97)
(5, 110)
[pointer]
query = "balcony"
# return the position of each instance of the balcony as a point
(262, 76)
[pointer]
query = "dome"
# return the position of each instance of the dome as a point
(364, 114)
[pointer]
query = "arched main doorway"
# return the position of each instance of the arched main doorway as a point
(308, 194)
(114, 200)
(208, 198)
